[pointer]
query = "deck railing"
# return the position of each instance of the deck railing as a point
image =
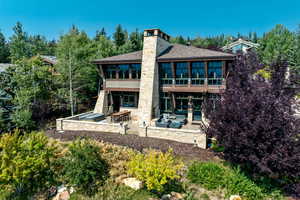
(192, 81)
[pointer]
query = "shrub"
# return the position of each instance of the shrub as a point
(112, 191)
(83, 166)
(232, 180)
(209, 175)
(26, 162)
(155, 169)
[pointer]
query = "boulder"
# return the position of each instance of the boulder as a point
(166, 197)
(176, 196)
(62, 196)
(133, 183)
(235, 197)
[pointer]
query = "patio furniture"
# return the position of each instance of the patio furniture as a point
(175, 124)
(181, 119)
(162, 122)
(121, 116)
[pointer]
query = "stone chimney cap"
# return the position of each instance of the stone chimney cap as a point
(156, 32)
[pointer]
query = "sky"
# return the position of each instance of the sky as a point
(53, 18)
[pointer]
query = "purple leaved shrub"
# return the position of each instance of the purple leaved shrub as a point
(255, 123)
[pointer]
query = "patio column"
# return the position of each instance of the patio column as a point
(190, 110)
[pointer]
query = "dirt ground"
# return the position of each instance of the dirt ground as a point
(187, 151)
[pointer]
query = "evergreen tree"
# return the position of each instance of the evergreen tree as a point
(119, 36)
(19, 44)
(136, 40)
(39, 45)
(78, 77)
(4, 50)
(100, 33)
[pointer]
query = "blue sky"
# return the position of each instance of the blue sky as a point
(185, 17)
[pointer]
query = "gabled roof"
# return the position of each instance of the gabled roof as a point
(49, 59)
(238, 42)
(174, 52)
(4, 66)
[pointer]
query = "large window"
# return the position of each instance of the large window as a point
(128, 100)
(110, 71)
(124, 71)
(165, 73)
(182, 73)
(135, 71)
(181, 103)
(198, 73)
(165, 103)
(215, 73)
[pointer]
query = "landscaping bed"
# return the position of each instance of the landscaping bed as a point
(187, 151)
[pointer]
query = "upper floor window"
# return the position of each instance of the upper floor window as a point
(124, 71)
(215, 69)
(135, 71)
(165, 70)
(198, 70)
(181, 70)
(182, 73)
(110, 71)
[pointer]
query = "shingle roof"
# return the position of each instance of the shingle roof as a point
(4, 66)
(49, 59)
(174, 52)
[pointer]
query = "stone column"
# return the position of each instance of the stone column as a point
(190, 110)
(102, 103)
(149, 86)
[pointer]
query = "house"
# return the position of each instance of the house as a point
(4, 66)
(240, 45)
(163, 79)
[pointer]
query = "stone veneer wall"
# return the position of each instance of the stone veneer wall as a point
(180, 135)
(70, 124)
(149, 88)
(102, 103)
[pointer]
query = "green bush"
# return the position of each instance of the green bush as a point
(113, 191)
(232, 180)
(209, 175)
(155, 169)
(26, 162)
(83, 167)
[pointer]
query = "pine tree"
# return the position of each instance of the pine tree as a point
(100, 33)
(119, 36)
(136, 40)
(4, 50)
(19, 44)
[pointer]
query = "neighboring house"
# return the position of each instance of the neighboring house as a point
(162, 79)
(4, 66)
(51, 61)
(240, 45)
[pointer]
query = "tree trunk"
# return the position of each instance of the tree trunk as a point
(71, 85)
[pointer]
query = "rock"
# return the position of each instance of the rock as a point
(71, 190)
(61, 188)
(176, 196)
(133, 183)
(235, 197)
(120, 179)
(62, 196)
(166, 197)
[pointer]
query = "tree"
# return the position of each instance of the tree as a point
(278, 43)
(119, 36)
(136, 40)
(254, 121)
(78, 76)
(4, 50)
(19, 46)
(100, 33)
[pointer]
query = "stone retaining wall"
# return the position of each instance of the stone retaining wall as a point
(75, 125)
(180, 135)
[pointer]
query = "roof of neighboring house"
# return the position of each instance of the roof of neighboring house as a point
(49, 59)
(238, 42)
(4, 66)
(174, 52)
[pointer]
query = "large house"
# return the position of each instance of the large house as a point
(162, 87)
(240, 45)
(161, 78)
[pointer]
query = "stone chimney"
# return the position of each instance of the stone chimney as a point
(155, 42)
